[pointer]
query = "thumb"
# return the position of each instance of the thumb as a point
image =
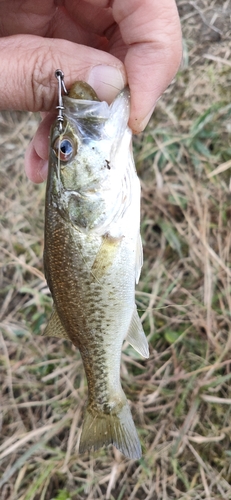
(27, 71)
(28, 83)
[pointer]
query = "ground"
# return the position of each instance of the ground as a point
(181, 396)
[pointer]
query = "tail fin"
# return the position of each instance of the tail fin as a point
(115, 428)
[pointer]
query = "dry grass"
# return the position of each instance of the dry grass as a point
(181, 396)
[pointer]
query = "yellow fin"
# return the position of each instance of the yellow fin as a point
(54, 327)
(105, 255)
(136, 336)
(101, 429)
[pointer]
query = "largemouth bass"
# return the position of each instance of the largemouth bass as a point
(93, 255)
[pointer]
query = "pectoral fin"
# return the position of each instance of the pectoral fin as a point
(54, 327)
(136, 336)
(139, 257)
(105, 256)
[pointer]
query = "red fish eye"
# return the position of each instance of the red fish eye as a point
(64, 148)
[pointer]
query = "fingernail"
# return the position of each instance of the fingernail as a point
(107, 81)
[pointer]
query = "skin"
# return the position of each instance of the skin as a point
(137, 41)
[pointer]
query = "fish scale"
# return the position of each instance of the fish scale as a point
(72, 282)
(92, 257)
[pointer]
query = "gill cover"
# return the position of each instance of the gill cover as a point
(90, 159)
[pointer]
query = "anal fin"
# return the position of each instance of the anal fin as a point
(54, 327)
(136, 336)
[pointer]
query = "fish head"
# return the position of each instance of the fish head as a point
(89, 157)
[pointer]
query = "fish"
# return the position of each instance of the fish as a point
(93, 255)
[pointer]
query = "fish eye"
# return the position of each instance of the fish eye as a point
(64, 148)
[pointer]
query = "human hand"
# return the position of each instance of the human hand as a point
(107, 44)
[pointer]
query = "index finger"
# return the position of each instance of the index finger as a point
(151, 30)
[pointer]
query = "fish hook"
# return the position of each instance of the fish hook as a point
(61, 86)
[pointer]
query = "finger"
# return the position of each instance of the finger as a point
(28, 82)
(27, 71)
(151, 30)
(36, 157)
(94, 17)
(31, 17)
